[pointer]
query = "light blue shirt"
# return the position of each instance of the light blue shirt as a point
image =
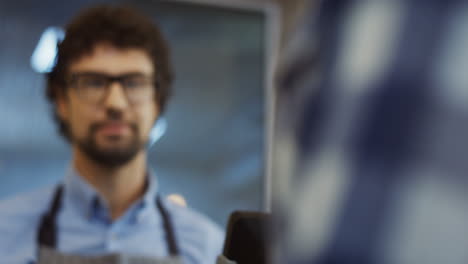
(85, 228)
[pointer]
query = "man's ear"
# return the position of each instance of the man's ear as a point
(157, 108)
(62, 104)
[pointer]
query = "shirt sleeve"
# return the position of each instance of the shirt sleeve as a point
(19, 219)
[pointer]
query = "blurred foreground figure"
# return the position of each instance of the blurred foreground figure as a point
(110, 84)
(372, 147)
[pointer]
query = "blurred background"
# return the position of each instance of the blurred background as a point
(347, 118)
(370, 150)
(214, 149)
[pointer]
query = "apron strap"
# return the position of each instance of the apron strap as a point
(47, 233)
(169, 228)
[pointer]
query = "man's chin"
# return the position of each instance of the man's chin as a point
(112, 157)
(115, 155)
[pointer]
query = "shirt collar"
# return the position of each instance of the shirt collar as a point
(89, 202)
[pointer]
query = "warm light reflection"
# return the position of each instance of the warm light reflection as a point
(177, 199)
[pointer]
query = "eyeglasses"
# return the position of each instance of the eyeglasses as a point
(93, 87)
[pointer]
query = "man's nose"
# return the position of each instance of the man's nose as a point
(116, 97)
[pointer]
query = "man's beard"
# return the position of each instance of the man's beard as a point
(112, 157)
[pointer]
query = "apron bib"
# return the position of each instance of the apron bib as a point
(47, 242)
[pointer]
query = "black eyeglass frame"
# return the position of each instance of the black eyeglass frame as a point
(151, 84)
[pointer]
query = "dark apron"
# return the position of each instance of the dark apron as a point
(47, 241)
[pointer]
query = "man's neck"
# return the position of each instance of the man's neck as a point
(119, 186)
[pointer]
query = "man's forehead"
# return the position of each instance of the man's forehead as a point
(108, 58)
(107, 49)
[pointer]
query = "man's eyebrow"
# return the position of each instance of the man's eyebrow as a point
(108, 74)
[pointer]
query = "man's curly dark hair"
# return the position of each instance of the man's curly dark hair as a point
(120, 26)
